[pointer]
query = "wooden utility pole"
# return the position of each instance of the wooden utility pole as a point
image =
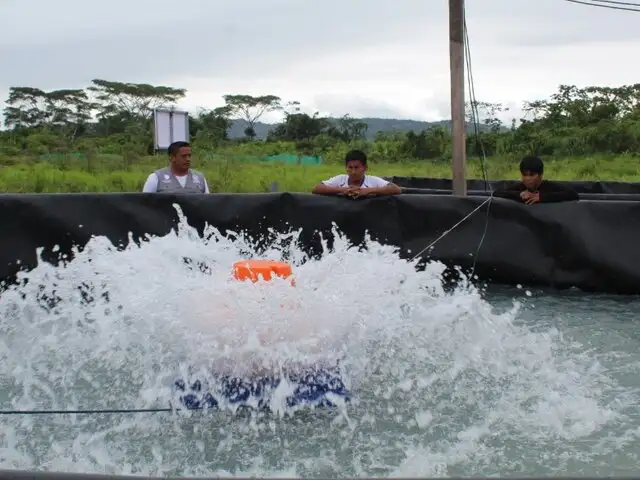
(456, 56)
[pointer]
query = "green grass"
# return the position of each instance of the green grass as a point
(110, 173)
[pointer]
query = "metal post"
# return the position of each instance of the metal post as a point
(456, 56)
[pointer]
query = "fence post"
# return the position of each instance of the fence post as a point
(274, 187)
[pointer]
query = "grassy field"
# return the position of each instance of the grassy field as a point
(113, 174)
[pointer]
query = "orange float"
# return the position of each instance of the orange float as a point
(255, 270)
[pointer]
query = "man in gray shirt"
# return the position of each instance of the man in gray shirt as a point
(178, 176)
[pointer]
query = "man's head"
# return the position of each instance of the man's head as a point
(531, 169)
(356, 163)
(180, 156)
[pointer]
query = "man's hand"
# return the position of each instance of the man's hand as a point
(361, 192)
(529, 198)
(533, 198)
(345, 191)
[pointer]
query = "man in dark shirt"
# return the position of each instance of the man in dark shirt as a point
(533, 189)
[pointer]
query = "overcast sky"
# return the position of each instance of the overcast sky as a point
(386, 58)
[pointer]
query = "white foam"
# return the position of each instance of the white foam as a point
(444, 384)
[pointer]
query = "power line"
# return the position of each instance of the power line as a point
(617, 3)
(473, 103)
(591, 4)
(92, 412)
(475, 118)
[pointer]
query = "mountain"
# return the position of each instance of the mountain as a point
(375, 125)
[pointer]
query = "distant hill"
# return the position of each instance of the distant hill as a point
(375, 125)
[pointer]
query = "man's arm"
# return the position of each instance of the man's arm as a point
(512, 192)
(554, 192)
(151, 185)
(324, 189)
(381, 187)
(206, 186)
(333, 186)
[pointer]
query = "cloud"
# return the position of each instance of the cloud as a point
(363, 57)
(335, 105)
(199, 38)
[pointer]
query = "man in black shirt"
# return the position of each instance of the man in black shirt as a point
(533, 189)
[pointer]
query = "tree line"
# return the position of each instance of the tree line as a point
(113, 117)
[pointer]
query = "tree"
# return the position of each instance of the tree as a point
(348, 129)
(69, 110)
(251, 108)
(63, 110)
(115, 117)
(27, 108)
(485, 113)
(123, 104)
(428, 144)
(135, 99)
(299, 126)
(211, 125)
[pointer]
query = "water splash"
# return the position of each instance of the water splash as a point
(444, 384)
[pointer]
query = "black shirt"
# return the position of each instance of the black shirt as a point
(549, 192)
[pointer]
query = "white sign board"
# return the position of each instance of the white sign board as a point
(170, 126)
